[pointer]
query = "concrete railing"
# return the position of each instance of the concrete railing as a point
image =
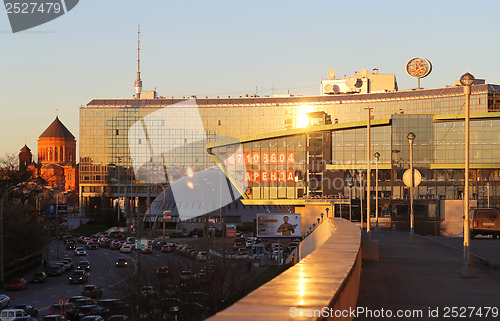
(322, 286)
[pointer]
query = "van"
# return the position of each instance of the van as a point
(11, 314)
(484, 221)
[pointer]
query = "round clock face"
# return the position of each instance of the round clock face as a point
(418, 67)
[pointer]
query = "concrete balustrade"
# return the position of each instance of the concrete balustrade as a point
(324, 283)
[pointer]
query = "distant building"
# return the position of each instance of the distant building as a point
(56, 158)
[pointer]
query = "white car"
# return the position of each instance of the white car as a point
(4, 301)
(80, 251)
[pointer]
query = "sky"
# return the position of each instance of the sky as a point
(229, 48)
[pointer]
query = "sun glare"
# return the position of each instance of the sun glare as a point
(301, 119)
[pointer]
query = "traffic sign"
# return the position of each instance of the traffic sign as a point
(60, 302)
(167, 216)
(417, 178)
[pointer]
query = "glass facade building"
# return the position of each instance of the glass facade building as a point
(286, 153)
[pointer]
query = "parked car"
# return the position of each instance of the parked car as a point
(69, 262)
(186, 277)
(484, 221)
(115, 245)
(11, 314)
(162, 271)
(29, 309)
(91, 246)
(92, 291)
(80, 251)
(168, 247)
(147, 250)
(39, 277)
(126, 249)
(63, 266)
(4, 301)
(237, 246)
(118, 318)
(70, 246)
(84, 265)
(242, 251)
(121, 262)
(92, 318)
(54, 270)
(202, 256)
(78, 276)
(17, 284)
(25, 318)
(53, 317)
(112, 307)
(88, 310)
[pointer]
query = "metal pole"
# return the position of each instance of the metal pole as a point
(118, 193)
(350, 202)
(412, 239)
(368, 171)
(467, 80)
(361, 197)
(488, 189)
(377, 156)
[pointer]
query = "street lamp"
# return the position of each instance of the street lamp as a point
(411, 137)
(2, 200)
(349, 183)
(368, 171)
(377, 156)
(467, 80)
(361, 196)
(327, 209)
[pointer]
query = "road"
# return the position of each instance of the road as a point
(102, 272)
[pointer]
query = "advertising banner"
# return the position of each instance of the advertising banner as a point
(278, 225)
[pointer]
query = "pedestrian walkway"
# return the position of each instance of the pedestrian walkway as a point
(425, 276)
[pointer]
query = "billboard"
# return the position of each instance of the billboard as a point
(278, 225)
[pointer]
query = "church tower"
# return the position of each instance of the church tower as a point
(25, 158)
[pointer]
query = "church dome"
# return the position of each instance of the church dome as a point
(57, 130)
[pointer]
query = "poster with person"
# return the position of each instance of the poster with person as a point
(278, 225)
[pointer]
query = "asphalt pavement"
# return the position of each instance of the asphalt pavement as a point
(425, 276)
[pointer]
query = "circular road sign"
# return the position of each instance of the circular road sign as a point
(60, 302)
(417, 178)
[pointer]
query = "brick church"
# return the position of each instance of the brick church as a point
(56, 159)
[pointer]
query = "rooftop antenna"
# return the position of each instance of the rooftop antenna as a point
(57, 112)
(138, 81)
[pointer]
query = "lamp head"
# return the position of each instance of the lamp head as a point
(377, 155)
(411, 136)
(467, 80)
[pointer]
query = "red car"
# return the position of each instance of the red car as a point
(17, 284)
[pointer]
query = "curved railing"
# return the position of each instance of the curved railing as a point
(322, 286)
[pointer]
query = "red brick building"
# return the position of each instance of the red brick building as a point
(56, 158)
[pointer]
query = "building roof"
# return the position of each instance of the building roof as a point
(25, 149)
(396, 95)
(57, 130)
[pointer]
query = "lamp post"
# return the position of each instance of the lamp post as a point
(368, 171)
(327, 209)
(2, 200)
(488, 189)
(361, 196)
(467, 80)
(377, 156)
(411, 137)
(349, 183)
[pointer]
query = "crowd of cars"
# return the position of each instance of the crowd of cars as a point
(84, 307)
